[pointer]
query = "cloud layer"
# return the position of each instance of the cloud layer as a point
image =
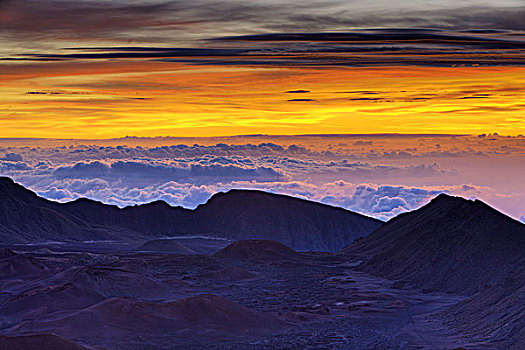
(365, 48)
(384, 183)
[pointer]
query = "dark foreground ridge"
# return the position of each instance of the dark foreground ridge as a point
(450, 245)
(237, 214)
(457, 246)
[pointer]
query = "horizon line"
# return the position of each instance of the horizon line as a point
(342, 135)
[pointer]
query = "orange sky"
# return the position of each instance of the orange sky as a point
(109, 98)
(103, 69)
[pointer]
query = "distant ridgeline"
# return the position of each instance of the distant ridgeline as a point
(237, 214)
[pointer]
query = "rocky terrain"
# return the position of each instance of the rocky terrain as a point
(41, 342)
(165, 246)
(446, 276)
(249, 295)
(496, 313)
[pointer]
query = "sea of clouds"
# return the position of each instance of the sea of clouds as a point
(189, 175)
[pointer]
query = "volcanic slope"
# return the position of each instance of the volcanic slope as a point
(300, 224)
(450, 245)
(26, 217)
(237, 214)
(497, 313)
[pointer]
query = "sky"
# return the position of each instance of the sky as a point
(182, 78)
(105, 69)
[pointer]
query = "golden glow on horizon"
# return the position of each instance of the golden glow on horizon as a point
(114, 99)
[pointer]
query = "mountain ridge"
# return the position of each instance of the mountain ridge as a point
(449, 245)
(236, 214)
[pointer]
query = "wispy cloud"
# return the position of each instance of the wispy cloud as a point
(265, 32)
(350, 49)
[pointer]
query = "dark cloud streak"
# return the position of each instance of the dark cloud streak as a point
(351, 49)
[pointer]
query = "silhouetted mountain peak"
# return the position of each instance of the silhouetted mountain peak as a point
(447, 202)
(158, 204)
(259, 198)
(462, 211)
(87, 203)
(443, 199)
(11, 192)
(4, 180)
(8, 186)
(242, 195)
(451, 244)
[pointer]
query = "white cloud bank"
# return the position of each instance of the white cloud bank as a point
(190, 175)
